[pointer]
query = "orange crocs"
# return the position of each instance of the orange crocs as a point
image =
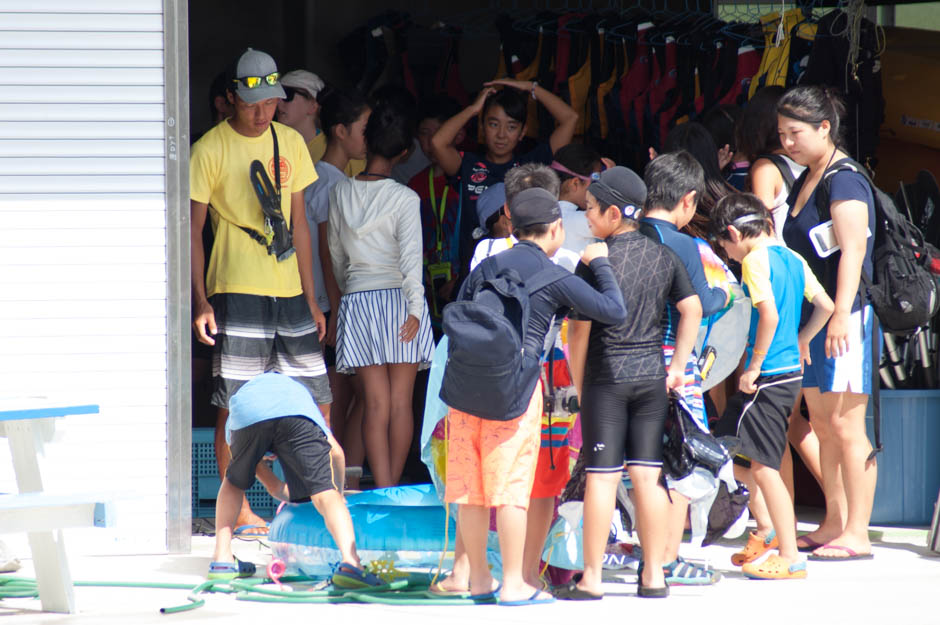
(775, 567)
(755, 548)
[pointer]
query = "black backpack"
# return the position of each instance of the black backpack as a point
(488, 374)
(902, 291)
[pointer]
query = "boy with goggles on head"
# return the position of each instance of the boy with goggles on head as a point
(258, 312)
(776, 279)
(577, 165)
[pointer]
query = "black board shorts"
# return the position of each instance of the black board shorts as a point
(761, 419)
(301, 446)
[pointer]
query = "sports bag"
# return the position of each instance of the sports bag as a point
(488, 374)
(687, 446)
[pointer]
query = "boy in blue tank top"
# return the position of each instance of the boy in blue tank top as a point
(776, 279)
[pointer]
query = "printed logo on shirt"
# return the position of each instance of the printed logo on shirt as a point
(480, 172)
(285, 169)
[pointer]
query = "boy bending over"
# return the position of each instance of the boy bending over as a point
(274, 413)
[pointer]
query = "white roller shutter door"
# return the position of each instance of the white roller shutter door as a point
(83, 249)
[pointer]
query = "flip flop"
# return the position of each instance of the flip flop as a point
(230, 570)
(650, 593)
(533, 600)
(350, 576)
(487, 597)
(809, 546)
(242, 531)
(571, 592)
(774, 567)
(438, 590)
(851, 554)
(755, 548)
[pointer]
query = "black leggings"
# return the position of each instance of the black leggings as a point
(623, 420)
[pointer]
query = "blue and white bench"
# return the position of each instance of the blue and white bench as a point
(28, 423)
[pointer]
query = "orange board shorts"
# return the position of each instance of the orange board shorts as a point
(492, 463)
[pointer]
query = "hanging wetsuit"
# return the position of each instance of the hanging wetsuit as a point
(861, 84)
(775, 61)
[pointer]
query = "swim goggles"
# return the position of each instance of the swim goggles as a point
(559, 167)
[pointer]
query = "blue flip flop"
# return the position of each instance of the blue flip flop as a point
(242, 531)
(230, 570)
(533, 600)
(487, 597)
(349, 576)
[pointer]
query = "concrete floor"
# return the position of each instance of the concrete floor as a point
(901, 585)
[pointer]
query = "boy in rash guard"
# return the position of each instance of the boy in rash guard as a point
(618, 370)
(776, 279)
(674, 182)
(491, 464)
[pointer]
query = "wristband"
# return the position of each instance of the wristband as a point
(534, 85)
(758, 352)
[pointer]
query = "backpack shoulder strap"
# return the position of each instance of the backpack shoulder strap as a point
(783, 167)
(544, 278)
(822, 190)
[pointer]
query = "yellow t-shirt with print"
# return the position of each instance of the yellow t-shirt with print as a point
(317, 147)
(218, 176)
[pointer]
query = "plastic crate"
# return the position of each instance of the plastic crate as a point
(206, 480)
(909, 466)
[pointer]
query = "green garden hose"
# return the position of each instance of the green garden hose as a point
(410, 591)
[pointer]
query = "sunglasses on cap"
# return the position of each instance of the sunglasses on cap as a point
(253, 82)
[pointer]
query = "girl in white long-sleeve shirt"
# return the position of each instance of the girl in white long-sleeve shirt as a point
(383, 331)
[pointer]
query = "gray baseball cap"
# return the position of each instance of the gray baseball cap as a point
(255, 64)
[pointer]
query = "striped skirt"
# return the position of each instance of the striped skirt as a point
(367, 330)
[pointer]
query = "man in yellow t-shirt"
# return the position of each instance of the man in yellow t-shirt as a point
(259, 313)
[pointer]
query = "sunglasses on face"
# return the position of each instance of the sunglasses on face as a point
(290, 92)
(253, 82)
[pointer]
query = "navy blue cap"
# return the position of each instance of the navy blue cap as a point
(489, 203)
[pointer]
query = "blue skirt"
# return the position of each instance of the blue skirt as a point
(367, 330)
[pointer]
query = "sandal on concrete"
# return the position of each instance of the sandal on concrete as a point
(350, 576)
(774, 567)
(230, 570)
(681, 572)
(571, 592)
(755, 548)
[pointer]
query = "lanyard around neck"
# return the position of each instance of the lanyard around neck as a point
(437, 209)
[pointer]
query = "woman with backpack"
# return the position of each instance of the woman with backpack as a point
(838, 379)
(772, 172)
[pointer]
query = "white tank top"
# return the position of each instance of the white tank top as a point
(781, 208)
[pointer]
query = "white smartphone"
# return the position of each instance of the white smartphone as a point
(823, 238)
